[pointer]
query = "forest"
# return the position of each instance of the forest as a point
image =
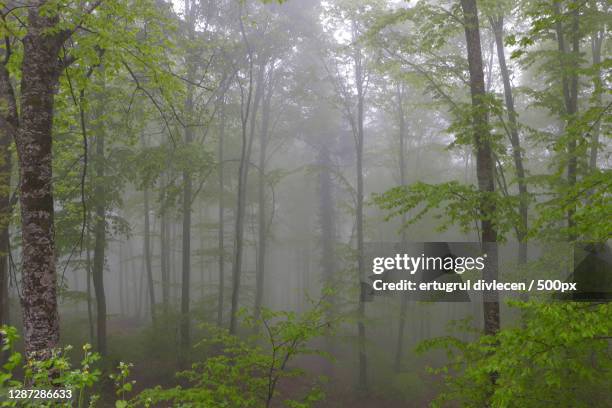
(192, 193)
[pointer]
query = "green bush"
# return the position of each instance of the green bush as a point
(236, 373)
(560, 356)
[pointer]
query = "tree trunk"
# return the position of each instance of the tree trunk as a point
(9, 114)
(399, 350)
(361, 310)
(147, 248)
(185, 325)
(262, 219)
(164, 258)
(484, 159)
(569, 86)
(39, 81)
(121, 280)
(100, 241)
(596, 43)
(90, 320)
(221, 236)
(186, 255)
(243, 172)
(498, 29)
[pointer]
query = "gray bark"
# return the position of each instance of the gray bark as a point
(221, 236)
(399, 350)
(147, 248)
(596, 43)
(569, 86)
(498, 29)
(359, 139)
(8, 110)
(262, 219)
(40, 72)
(243, 172)
(100, 241)
(164, 252)
(185, 326)
(485, 166)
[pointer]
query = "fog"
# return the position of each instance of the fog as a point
(215, 161)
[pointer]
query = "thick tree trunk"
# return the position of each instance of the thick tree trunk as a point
(39, 81)
(498, 30)
(485, 167)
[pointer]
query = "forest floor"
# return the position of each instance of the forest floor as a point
(339, 387)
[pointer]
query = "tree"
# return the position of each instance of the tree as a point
(39, 60)
(190, 19)
(251, 89)
(351, 92)
(40, 72)
(100, 199)
(10, 116)
(485, 165)
(497, 24)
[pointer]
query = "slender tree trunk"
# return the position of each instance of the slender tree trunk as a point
(147, 248)
(139, 284)
(485, 167)
(90, 318)
(100, 240)
(361, 310)
(164, 259)
(4, 284)
(262, 219)
(399, 350)
(327, 223)
(121, 280)
(4, 278)
(221, 236)
(203, 263)
(185, 326)
(174, 280)
(569, 85)
(8, 111)
(572, 163)
(243, 172)
(498, 30)
(186, 257)
(596, 43)
(8, 100)
(327, 217)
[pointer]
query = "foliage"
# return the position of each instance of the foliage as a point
(54, 373)
(457, 204)
(242, 373)
(559, 356)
